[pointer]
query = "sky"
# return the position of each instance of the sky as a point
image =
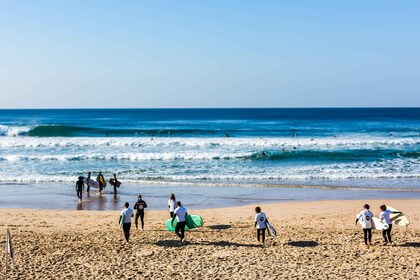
(198, 54)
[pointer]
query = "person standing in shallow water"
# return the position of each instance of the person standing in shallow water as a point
(79, 188)
(139, 206)
(260, 224)
(366, 217)
(180, 214)
(172, 204)
(125, 220)
(100, 179)
(88, 178)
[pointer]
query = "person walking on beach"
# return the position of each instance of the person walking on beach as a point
(100, 179)
(115, 183)
(180, 214)
(125, 220)
(79, 188)
(366, 217)
(385, 216)
(260, 224)
(139, 206)
(172, 204)
(88, 178)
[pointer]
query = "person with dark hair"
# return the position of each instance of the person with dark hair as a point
(101, 180)
(385, 216)
(114, 182)
(79, 188)
(260, 224)
(88, 177)
(172, 204)
(139, 206)
(180, 214)
(366, 217)
(125, 220)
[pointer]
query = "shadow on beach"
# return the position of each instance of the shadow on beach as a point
(176, 243)
(220, 227)
(303, 243)
(411, 244)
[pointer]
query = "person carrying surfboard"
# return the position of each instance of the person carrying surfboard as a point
(125, 220)
(366, 217)
(101, 181)
(180, 214)
(139, 206)
(88, 178)
(260, 224)
(172, 204)
(385, 216)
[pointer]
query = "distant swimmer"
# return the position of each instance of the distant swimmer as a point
(88, 178)
(125, 220)
(227, 135)
(263, 154)
(169, 133)
(294, 135)
(100, 179)
(390, 134)
(180, 214)
(106, 134)
(283, 150)
(140, 205)
(260, 224)
(366, 219)
(172, 204)
(79, 188)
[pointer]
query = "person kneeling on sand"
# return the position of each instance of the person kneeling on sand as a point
(125, 220)
(180, 214)
(260, 224)
(385, 216)
(366, 217)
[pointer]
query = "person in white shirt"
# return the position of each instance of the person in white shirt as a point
(125, 220)
(260, 224)
(366, 217)
(386, 217)
(180, 214)
(172, 204)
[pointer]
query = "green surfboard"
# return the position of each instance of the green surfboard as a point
(193, 221)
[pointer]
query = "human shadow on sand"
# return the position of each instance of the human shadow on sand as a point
(176, 243)
(303, 243)
(220, 227)
(411, 244)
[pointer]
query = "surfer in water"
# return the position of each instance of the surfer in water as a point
(181, 214)
(385, 216)
(260, 224)
(88, 177)
(100, 179)
(79, 188)
(172, 204)
(139, 206)
(114, 182)
(366, 217)
(125, 220)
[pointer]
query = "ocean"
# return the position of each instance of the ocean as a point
(342, 148)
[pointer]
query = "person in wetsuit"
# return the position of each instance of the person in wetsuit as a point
(79, 188)
(139, 206)
(100, 179)
(88, 177)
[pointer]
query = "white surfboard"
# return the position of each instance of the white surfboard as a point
(377, 223)
(398, 219)
(271, 230)
(91, 183)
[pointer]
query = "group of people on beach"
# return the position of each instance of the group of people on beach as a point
(100, 181)
(365, 217)
(177, 212)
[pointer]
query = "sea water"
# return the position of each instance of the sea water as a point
(363, 149)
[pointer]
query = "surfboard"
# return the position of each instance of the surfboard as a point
(398, 219)
(91, 183)
(193, 221)
(112, 183)
(271, 230)
(103, 181)
(377, 223)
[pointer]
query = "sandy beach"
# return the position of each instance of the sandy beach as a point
(316, 240)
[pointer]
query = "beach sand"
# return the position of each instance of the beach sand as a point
(316, 240)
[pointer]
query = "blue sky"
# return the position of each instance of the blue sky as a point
(177, 54)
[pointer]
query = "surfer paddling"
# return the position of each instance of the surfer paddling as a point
(79, 188)
(385, 216)
(365, 217)
(172, 204)
(180, 214)
(139, 206)
(125, 220)
(260, 224)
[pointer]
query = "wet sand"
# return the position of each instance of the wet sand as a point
(317, 240)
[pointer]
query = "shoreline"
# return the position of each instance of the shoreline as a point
(315, 239)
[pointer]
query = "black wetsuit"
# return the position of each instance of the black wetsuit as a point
(139, 206)
(79, 189)
(88, 187)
